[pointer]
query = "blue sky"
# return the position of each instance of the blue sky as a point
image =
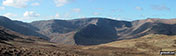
(32, 10)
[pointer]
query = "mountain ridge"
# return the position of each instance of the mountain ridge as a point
(94, 31)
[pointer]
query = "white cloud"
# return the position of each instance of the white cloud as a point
(10, 15)
(2, 8)
(76, 10)
(28, 15)
(35, 4)
(31, 14)
(15, 3)
(139, 8)
(57, 15)
(60, 3)
(118, 18)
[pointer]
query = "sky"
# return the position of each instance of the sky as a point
(34, 10)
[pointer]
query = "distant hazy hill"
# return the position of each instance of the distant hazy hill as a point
(91, 31)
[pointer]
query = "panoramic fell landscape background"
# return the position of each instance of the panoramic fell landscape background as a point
(87, 27)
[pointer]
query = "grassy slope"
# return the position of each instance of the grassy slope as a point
(20, 48)
(151, 44)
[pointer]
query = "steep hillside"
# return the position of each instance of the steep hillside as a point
(87, 31)
(20, 27)
(149, 26)
(103, 31)
(92, 31)
(4, 36)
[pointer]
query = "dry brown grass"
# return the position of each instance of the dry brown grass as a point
(151, 44)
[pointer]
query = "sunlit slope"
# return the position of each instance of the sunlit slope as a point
(152, 43)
